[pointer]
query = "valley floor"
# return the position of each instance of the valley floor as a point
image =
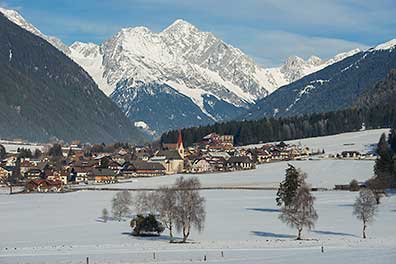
(66, 228)
(243, 224)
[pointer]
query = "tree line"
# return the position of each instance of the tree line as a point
(385, 164)
(277, 129)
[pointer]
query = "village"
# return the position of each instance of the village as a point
(64, 165)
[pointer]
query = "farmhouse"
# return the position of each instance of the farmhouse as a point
(102, 175)
(240, 163)
(43, 186)
(140, 168)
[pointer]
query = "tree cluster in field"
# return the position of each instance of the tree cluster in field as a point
(178, 207)
(297, 203)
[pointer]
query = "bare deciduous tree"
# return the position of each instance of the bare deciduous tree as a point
(167, 208)
(190, 206)
(365, 208)
(378, 185)
(121, 204)
(147, 203)
(300, 212)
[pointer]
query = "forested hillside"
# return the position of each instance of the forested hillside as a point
(45, 95)
(375, 109)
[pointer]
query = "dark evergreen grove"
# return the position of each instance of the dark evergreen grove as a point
(272, 129)
(385, 165)
(375, 109)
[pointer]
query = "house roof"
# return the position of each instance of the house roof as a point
(144, 165)
(102, 172)
(8, 168)
(244, 159)
(49, 182)
(169, 154)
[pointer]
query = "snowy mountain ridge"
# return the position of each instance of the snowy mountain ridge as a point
(16, 18)
(199, 67)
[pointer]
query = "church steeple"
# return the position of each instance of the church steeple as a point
(180, 147)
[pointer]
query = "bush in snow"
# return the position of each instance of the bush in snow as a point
(146, 226)
(354, 186)
(105, 215)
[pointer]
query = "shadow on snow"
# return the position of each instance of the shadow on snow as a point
(322, 232)
(269, 234)
(265, 210)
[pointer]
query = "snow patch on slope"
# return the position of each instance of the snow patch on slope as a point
(89, 56)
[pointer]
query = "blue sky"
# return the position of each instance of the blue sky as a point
(267, 30)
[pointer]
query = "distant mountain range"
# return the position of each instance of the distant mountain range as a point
(183, 77)
(179, 77)
(335, 87)
(45, 95)
(147, 73)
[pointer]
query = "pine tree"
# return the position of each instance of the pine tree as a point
(288, 188)
(392, 140)
(2, 152)
(384, 164)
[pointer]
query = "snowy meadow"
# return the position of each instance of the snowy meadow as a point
(66, 228)
(242, 226)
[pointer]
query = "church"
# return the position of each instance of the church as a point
(171, 156)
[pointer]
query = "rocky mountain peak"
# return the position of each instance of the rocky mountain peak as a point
(314, 60)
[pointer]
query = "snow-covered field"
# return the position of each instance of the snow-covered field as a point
(13, 147)
(243, 224)
(321, 174)
(362, 141)
(64, 228)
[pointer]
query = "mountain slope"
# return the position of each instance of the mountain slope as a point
(335, 87)
(220, 81)
(16, 18)
(382, 93)
(218, 78)
(44, 94)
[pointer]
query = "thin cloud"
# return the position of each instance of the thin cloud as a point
(6, 5)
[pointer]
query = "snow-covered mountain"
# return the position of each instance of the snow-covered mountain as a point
(218, 78)
(335, 87)
(16, 18)
(210, 76)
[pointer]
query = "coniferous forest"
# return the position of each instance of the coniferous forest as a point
(374, 109)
